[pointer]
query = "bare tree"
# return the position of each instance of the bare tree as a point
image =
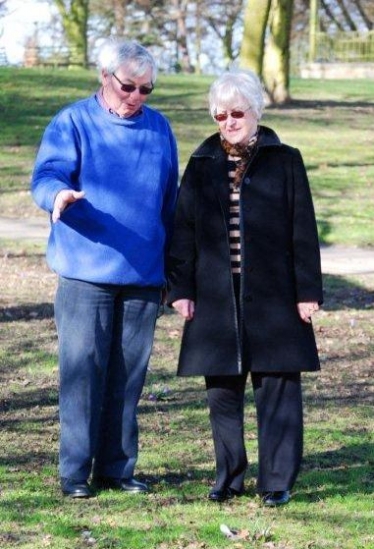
(331, 16)
(365, 15)
(179, 14)
(223, 18)
(341, 15)
(182, 29)
(346, 15)
(109, 17)
(3, 11)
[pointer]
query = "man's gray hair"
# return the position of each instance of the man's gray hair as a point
(236, 86)
(115, 52)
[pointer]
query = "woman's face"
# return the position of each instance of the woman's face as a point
(238, 124)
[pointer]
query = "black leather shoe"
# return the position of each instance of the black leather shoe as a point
(272, 499)
(124, 484)
(75, 488)
(223, 495)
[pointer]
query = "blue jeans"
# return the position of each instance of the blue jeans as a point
(105, 337)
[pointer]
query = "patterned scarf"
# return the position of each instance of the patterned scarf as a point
(244, 152)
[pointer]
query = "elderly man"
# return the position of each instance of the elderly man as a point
(106, 171)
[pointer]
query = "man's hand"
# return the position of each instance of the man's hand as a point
(62, 200)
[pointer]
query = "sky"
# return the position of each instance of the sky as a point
(20, 23)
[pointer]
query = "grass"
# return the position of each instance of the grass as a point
(332, 504)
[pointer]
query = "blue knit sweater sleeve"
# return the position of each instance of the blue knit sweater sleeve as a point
(128, 169)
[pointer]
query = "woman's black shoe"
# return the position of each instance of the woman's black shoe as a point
(223, 495)
(272, 499)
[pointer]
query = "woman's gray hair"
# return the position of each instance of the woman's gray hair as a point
(115, 52)
(234, 86)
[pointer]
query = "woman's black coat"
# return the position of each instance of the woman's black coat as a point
(280, 262)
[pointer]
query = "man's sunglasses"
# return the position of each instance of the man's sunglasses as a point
(129, 88)
(222, 116)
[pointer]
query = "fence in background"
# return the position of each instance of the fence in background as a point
(53, 56)
(345, 47)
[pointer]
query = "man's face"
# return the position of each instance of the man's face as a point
(126, 102)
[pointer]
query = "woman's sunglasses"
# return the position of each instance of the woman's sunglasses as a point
(129, 88)
(222, 116)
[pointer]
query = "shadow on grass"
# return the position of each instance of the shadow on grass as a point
(25, 401)
(342, 472)
(341, 293)
(30, 462)
(345, 471)
(321, 104)
(39, 311)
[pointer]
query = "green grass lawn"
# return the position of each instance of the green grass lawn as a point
(332, 505)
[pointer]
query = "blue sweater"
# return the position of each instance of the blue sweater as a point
(128, 169)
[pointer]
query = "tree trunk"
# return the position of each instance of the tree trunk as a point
(74, 21)
(253, 44)
(198, 33)
(183, 55)
(120, 11)
(351, 24)
(368, 22)
(276, 71)
(331, 16)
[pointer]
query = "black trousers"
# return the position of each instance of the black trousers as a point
(278, 401)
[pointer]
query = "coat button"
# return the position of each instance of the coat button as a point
(247, 180)
(248, 298)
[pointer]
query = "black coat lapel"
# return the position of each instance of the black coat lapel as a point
(220, 181)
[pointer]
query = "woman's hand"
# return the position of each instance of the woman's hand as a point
(63, 199)
(306, 309)
(185, 307)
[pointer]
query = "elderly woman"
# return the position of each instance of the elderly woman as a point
(107, 173)
(245, 275)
